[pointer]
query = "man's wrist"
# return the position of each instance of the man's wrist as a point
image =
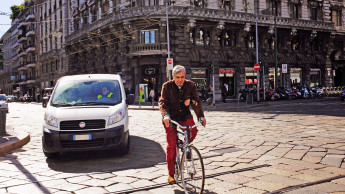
(166, 116)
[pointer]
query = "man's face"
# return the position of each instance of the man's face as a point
(179, 78)
(105, 91)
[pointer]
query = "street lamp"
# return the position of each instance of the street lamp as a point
(275, 47)
(257, 49)
(168, 38)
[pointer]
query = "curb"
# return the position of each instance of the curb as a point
(14, 141)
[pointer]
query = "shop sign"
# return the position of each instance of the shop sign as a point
(199, 71)
(250, 81)
(221, 71)
(284, 68)
(149, 71)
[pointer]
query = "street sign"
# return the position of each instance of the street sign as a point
(257, 67)
(284, 68)
(170, 63)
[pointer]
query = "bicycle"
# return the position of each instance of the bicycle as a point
(190, 168)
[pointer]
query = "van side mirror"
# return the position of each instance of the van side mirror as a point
(45, 101)
(130, 99)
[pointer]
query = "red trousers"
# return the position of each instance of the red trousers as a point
(172, 138)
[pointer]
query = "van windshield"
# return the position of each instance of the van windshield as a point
(83, 93)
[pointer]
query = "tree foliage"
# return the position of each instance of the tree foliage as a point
(15, 12)
(17, 9)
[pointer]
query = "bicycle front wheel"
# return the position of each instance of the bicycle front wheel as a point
(192, 171)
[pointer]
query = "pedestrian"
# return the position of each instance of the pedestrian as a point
(210, 91)
(224, 90)
(152, 96)
(38, 96)
(176, 97)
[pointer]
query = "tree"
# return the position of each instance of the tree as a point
(15, 12)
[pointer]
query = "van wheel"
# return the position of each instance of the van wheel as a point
(124, 150)
(51, 155)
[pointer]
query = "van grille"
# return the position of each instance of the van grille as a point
(89, 124)
(82, 144)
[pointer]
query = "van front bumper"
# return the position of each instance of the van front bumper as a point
(63, 141)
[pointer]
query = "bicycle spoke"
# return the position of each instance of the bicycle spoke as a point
(192, 172)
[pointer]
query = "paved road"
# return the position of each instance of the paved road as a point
(282, 147)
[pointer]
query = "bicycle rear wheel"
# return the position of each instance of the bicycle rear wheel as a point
(192, 171)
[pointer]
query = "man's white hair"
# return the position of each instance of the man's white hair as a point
(178, 69)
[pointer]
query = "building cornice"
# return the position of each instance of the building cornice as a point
(187, 13)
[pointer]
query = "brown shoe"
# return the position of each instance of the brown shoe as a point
(171, 180)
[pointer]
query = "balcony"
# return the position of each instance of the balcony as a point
(148, 49)
(21, 24)
(31, 80)
(30, 49)
(22, 54)
(31, 64)
(30, 17)
(22, 68)
(30, 33)
(22, 39)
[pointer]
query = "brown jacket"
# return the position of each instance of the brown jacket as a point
(172, 100)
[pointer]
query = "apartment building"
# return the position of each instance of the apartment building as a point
(51, 32)
(129, 37)
(20, 56)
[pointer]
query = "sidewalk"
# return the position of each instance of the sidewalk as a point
(12, 140)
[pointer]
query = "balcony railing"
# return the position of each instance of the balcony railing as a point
(22, 68)
(22, 39)
(30, 33)
(22, 54)
(30, 17)
(30, 49)
(31, 64)
(148, 49)
(197, 13)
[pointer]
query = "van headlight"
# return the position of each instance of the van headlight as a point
(118, 116)
(50, 120)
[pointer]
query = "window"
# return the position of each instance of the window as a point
(200, 38)
(250, 41)
(56, 43)
(315, 10)
(336, 17)
(295, 9)
(199, 3)
(248, 6)
(274, 7)
(228, 5)
(228, 38)
(148, 36)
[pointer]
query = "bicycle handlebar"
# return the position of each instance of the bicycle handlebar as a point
(185, 127)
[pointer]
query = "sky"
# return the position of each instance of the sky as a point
(5, 21)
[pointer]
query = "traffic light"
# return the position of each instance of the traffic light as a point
(210, 69)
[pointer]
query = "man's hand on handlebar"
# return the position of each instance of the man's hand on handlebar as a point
(166, 121)
(203, 121)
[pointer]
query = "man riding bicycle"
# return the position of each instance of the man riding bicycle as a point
(177, 95)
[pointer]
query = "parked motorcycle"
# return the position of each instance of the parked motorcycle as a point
(342, 97)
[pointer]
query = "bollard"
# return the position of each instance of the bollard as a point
(249, 99)
(3, 112)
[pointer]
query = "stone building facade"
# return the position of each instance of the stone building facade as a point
(52, 63)
(129, 37)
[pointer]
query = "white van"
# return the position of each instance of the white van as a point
(86, 112)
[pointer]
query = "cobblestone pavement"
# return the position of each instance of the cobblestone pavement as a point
(296, 147)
